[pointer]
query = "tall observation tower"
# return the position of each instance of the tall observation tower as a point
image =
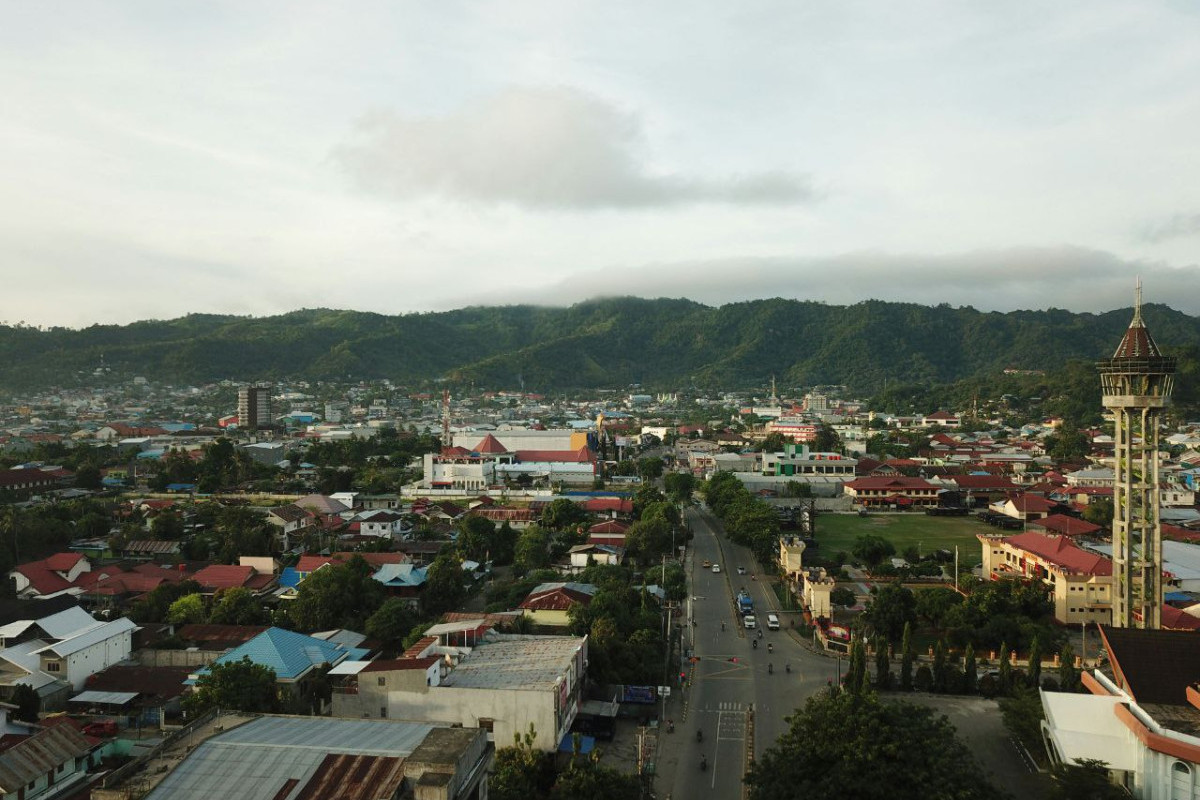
(1136, 383)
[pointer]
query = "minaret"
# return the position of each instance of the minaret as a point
(1136, 383)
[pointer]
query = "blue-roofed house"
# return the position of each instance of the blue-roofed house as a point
(401, 580)
(298, 660)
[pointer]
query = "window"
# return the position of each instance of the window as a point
(486, 724)
(53, 666)
(383, 681)
(383, 712)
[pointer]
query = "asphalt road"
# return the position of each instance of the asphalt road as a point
(731, 677)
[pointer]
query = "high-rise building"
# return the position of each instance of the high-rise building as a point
(1136, 383)
(254, 408)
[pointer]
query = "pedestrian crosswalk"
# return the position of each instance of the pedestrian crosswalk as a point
(725, 706)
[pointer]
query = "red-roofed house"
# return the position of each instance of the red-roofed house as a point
(1027, 507)
(609, 506)
(1079, 581)
(548, 604)
(611, 532)
(517, 518)
(55, 574)
(1173, 619)
(892, 491)
(983, 489)
(945, 419)
(1062, 525)
(223, 576)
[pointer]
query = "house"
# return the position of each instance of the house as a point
(77, 657)
(501, 683)
(1062, 525)
(54, 618)
(981, 490)
(517, 518)
(548, 603)
(899, 491)
(1079, 580)
(1141, 718)
(1026, 507)
(298, 758)
(297, 660)
(43, 762)
(611, 532)
(381, 523)
(943, 419)
(28, 481)
(145, 696)
(49, 576)
(583, 555)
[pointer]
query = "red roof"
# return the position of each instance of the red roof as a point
(223, 576)
(63, 562)
(1032, 502)
(43, 580)
(490, 446)
(1061, 551)
(1067, 526)
(984, 483)
(1180, 534)
(1137, 342)
(597, 505)
(888, 482)
(559, 599)
(455, 452)
(610, 526)
(1176, 620)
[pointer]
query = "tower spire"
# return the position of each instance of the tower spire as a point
(1137, 306)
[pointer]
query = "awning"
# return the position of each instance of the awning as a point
(586, 744)
(104, 698)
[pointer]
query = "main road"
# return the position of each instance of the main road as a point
(734, 700)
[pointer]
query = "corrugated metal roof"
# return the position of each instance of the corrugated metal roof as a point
(289, 654)
(39, 754)
(104, 698)
(88, 638)
(259, 759)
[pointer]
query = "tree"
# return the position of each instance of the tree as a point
(650, 468)
(841, 596)
(584, 779)
(1099, 512)
(1034, 672)
(237, 606)
(855, 745)
(336, 596)
(891, 608)
(187, 610)
(87, 477)
(907, 657)
(856, 670)
(1004, 679)
(475, 535)
(1086, 779)
(27, 701)
(969, 670)
(939, 666)
(392, 622)
(1022, 714)
(532, 550)
(521, 772)
(934, 604)
(883, 664)
(1068, 676)
(679, 486)
(562, 515)
(235, 685)
(444, 590)
(872, 549)
(167, 526)
(827, 440)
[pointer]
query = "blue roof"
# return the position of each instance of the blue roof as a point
(147, 454)
(586, 744)
(1177, 597)
(180, 487)
(176, 427)
(289, 654)
(289, 578)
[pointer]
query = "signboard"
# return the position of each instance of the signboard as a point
(664, 691)
(638, 694)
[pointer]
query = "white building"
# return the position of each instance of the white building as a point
(499, 682)
(75, 659)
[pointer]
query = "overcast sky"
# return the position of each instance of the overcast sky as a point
(160, 158)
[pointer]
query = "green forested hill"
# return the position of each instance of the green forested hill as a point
(611, 342)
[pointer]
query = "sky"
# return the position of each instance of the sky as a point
(252, 158)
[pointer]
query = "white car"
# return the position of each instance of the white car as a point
(716, 567)
(749, 621)
(741, 570)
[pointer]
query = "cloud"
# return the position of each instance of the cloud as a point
(1174, 227)
(1074, 278)
(549, 148)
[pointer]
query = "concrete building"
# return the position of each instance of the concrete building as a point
(1142, 717)
(1079, 581)
(78, 657)
(1136, 384)
(501, 683)
(254, 408)
(797, 461)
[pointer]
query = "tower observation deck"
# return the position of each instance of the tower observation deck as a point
(1136, 384)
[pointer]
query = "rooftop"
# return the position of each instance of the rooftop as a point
(504, 661)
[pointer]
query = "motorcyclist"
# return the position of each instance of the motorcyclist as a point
(770, 647)
(703, 763)
(770, 668)
(754, 642)
(787, 668)
(699, 735)
(722, 626)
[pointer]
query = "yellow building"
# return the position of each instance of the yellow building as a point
(1079, 581)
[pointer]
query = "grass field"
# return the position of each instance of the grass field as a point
(838, 531)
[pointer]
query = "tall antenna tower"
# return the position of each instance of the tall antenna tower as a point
(1137, 383)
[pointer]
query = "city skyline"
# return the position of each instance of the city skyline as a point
(398, 157)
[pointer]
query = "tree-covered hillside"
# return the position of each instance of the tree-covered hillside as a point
(658, 343)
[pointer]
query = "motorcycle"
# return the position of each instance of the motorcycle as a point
(703, 763)
(722, 626)
(787, 668)
(760, 633)
(755, 643)
(699, 736)
(770, 647)
(670, 726)
(770, 669)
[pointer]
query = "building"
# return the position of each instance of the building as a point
(1142, 717)
(1078, 580)
(254, 408)
(893, 491)
(501, 683)
(41, 763)
(548, 604)
(798, 461)
(1136, 384)
(76, 658)
(298, 758)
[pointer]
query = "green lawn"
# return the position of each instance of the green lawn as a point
(838, 531)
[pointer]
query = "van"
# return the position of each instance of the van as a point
(772, 622)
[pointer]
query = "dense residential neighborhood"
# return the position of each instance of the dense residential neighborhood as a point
(441, 574)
